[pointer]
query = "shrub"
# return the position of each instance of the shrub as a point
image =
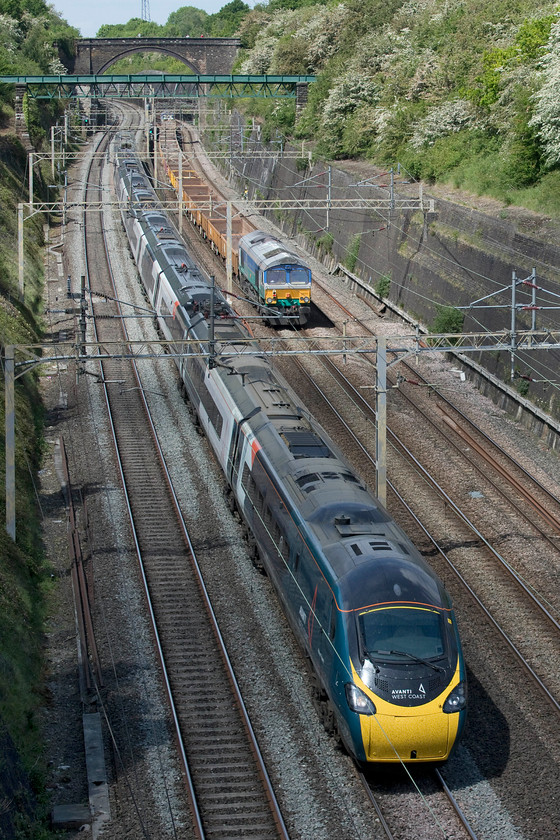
(546, 119)
(353, 251)
(522, 385)
(325, 242)
(448, 118)
(383, 285)
(447, 320)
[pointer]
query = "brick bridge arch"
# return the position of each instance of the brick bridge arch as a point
(204, 56)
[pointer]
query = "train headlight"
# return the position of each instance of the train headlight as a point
(457, 699)
(306, 299)
(358, 701)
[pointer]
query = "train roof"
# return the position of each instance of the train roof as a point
(131, 163)
(389, 580)
(373, 561)
(266, 250)
(366, 552)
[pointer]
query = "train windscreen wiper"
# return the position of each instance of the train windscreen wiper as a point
(411, 656)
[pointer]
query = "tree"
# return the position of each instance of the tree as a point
(227, 21)
(187, 21)
(134, 28)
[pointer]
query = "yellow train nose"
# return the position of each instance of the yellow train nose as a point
(427, 737)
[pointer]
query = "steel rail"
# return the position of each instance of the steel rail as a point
(89, 656)
(267, 785)
(456, 807)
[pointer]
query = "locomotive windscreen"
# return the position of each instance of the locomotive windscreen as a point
(275, 276)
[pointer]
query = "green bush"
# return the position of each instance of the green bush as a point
(522, 385)
(448, 320)
(326, 242)
(383, 285)
(447, 156)
(353, 251)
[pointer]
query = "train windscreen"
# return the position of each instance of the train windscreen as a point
(398, 633)
(300, 277)
(275, 277)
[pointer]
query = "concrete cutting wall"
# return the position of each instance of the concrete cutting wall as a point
(451, 257)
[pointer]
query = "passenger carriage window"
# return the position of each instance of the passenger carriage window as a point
(197, 372)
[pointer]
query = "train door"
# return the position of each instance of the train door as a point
(304, 587)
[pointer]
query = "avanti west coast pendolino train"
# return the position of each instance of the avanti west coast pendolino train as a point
(372, 616)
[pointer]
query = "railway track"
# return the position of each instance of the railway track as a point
(229, 790)
(454, 426)
(422, 791)
(441, 413)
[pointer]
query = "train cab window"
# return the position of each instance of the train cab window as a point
(300, 277)
(275, 277)
(398, 634)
